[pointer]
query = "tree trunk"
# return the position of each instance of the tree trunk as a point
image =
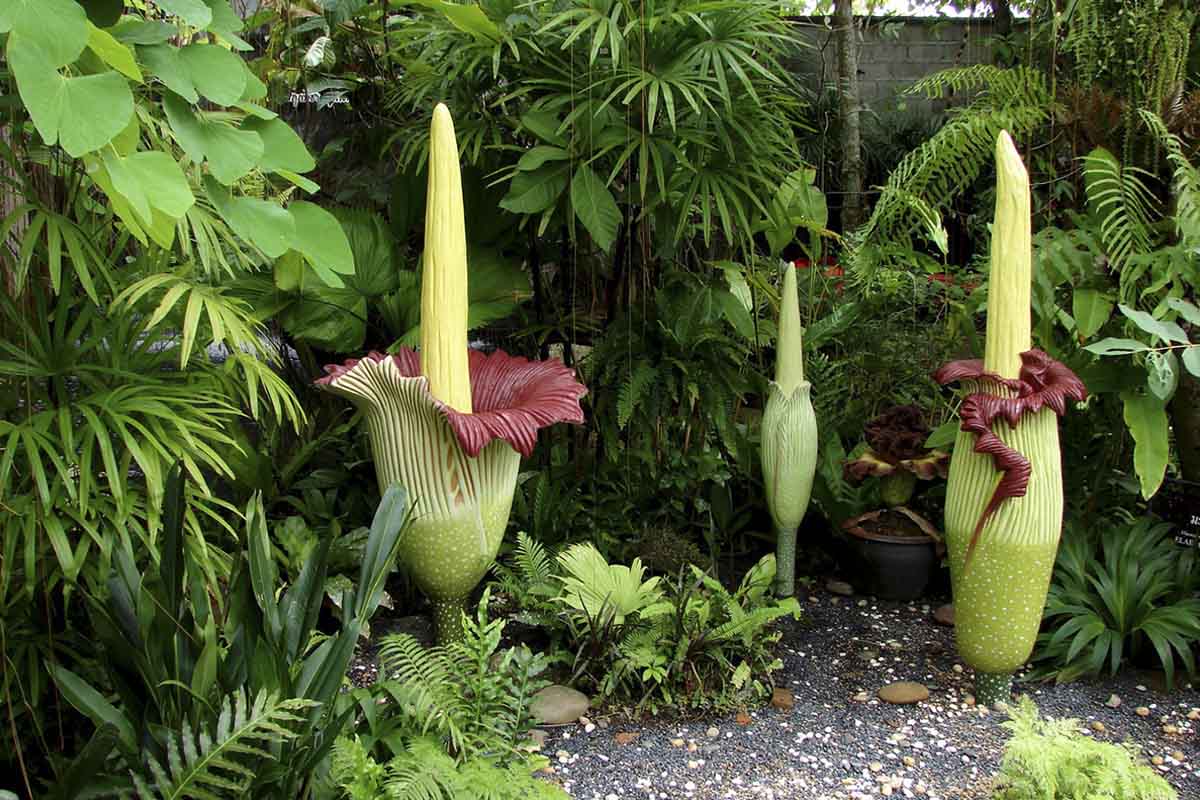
(852, 170)
(1185, 421)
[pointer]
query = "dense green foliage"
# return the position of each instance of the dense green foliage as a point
(661, 641)
(233, 695)
(1125, 591)
(1051, 759)
(451, 722)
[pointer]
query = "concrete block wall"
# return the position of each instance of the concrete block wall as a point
(894, 52)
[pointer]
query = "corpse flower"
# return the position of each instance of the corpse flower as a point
(451, 424)
(789, 438)
(1004, 499)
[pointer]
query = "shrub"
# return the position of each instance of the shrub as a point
(1116, 593)
(1051, 759)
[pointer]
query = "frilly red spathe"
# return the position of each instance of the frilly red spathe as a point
(511, 397)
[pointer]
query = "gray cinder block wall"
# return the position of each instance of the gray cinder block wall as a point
(893, 51)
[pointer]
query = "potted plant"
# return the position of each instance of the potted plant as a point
(898, 549)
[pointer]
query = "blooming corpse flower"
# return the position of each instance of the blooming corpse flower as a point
(460, 468)
(451, 424)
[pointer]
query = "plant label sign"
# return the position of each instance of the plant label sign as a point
(1179, 503)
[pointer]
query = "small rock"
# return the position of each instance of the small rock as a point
(969, 700)
(558, 705)
(692, 747)
(589, 728)
(862, 603)
(1113, 701)
(626, 737)
(743, 718)
(875, 766)
(903, 693)
(861, 697)
(1194, 714)
(839, 587)
(1170, 730)
(1157, 761)
(782, 699)
(909, 761)
(713, 732)
(958, 668)
(677, 743)
(1178, 755)
(944, 615)
(537, 739)
(693, 765)
(563, 756)
(1142, 711)
(1098, 726)
(1000, 706)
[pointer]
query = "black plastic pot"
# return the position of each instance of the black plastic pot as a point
(892, 567)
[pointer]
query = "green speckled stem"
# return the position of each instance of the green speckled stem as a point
(1000, 596)
(993, 687)
(785, 562)
(448, 619)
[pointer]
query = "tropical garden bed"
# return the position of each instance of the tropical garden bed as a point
(491, 400)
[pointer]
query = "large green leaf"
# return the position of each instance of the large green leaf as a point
(164, 63)
(534, 192)
(56, 29)
(91, 703)
(371, 242)
(114, 53)
(283, 148)
(231, 153)
(150, 179)
(328, 317)
(1091, 309)
(1162, 369)
(217, 73)
(595, 207)
(1146, 418)
(1167, 331)
(467, 17)
(81, 113)
(193, 12)
(322, 242)
(1191, 359)
(267, 225)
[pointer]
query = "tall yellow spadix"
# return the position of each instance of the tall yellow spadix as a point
(444, 278)
(789, 358)
(1008, 317)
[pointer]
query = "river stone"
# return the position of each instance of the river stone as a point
(944, 615)
(903, 693)
(839, 587)
(558, 705)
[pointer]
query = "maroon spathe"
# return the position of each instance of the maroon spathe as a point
(511, 397)
(1042, 383)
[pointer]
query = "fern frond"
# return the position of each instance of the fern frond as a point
(224, 763)
(535, 565)
(932, 176)
(1186, 180)
(1124, 205)
(633, 390)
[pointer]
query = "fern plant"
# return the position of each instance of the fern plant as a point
(468, 695)
(1051, 759)
(448, 722)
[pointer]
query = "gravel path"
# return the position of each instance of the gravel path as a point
(838, 742)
